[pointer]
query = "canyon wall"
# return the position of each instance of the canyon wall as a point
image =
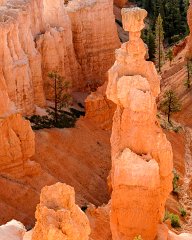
(17, 145)
(94, 36)
(39, 36)
(141, 155)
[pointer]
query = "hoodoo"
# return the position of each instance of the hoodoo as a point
(58, 217)
(141, 174)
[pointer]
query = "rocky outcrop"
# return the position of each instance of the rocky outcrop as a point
(37, 37)
(13, 230)
(17, 145)
(141, 155)
(56, 47)
(58, 217)
(99, 109)
(20, 66)
(94, 36)
(99, 222)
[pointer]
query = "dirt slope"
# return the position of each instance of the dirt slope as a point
(79, 157)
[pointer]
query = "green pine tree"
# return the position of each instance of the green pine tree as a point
(151, 44)
(159, 38)
(170, 104)
(61, 94)
(170, 55)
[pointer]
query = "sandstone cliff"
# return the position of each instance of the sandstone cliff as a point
(17, 145)
(39, 36)
(141, 155)
(94, 36)
(58, 217)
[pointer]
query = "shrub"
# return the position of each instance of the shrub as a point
(175, 221)
(65, 119)
(183, 212)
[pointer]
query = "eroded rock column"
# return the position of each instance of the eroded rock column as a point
(58, 217)
(141, 175)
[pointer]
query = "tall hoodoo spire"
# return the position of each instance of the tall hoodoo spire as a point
(141, 174)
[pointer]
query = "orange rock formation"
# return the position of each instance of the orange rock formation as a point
(141, 155)
(13, 230)
(39, 36)
(17, 145)
(58, 217)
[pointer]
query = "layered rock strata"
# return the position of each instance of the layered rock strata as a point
(17, 145)
(37, 37)
(141, 155)
(99, 109)
(94, 36)
(58, 217)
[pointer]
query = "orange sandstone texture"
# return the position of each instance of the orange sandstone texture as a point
(141, 155)
(39, 36)
(17, 145)
(99, 109)
(13, 230)
(58, 217)
(95, 36)
(99, 222)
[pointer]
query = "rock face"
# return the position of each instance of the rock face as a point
(56, 46)
(20, 66)
(99, 109)
(99, 222)
(141, 155)
(17, 145)
(94, 36)
(37, 37)
(58, 217)
(13, 230)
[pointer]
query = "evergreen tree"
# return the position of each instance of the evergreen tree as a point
(170, 55)
(189, 73)
(173, 13)
(61, 95)
(159, 38)
(150, 41)
(170, 104)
